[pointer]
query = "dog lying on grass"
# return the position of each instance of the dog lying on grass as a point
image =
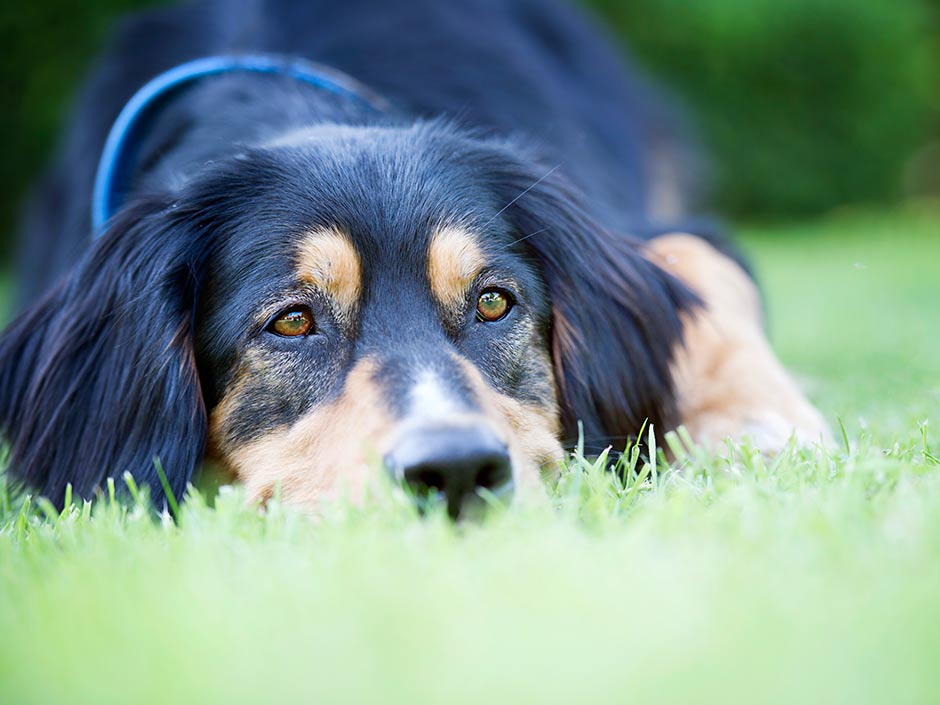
(457, 234)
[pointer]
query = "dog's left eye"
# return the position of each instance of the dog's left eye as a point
(493, 304)
(293, 322)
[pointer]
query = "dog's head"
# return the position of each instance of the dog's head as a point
(335, 299)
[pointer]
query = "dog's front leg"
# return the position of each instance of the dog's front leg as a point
(729, 383)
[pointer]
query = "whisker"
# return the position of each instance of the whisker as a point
(513, 201)
(526, 237)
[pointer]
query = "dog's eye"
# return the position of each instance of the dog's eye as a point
(293, 322)
(493, 304)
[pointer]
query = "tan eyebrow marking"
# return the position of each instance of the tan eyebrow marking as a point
(328, 261)
(454, 261)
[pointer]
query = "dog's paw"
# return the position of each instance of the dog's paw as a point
(769, 429)
(728, 382)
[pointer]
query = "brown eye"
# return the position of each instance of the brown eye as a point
(492, 305)
(293, 322)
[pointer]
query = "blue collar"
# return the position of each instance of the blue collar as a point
(119, 157)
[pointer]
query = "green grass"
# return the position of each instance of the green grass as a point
(814, 577)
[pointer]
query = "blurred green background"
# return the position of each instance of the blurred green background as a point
(803, 105)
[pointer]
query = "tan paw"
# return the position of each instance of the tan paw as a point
(767, 429)
(728, 381)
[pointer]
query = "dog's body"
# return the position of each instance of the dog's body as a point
(297, 282)
(527, 68)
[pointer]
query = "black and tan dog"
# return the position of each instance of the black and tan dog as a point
(298, 274)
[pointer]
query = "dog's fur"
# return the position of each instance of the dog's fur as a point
(520, 154)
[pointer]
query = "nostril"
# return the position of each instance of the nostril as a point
(424, 479)
(494, 475)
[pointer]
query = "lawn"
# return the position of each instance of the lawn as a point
(814, 577)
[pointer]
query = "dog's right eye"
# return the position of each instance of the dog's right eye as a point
(292, 323)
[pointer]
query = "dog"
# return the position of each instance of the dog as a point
(302, 239)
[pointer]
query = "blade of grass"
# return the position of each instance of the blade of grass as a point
(167, 490)
(845, 436)
(21, 525)
(654, 473)
(48, 509)
(132, 487)
(928, 456)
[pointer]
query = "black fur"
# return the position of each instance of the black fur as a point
(512, 114)
(99, 377)
(615, 318)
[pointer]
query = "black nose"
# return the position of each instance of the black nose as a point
(451, 462)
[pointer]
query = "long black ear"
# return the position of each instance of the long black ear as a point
(615, 315)
(99, 377)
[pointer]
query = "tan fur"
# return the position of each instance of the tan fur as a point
(328, 261)
(530, 431)
(728, 381)
(333, 450)
(454, 261)
(253, 363)
(324, 454)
